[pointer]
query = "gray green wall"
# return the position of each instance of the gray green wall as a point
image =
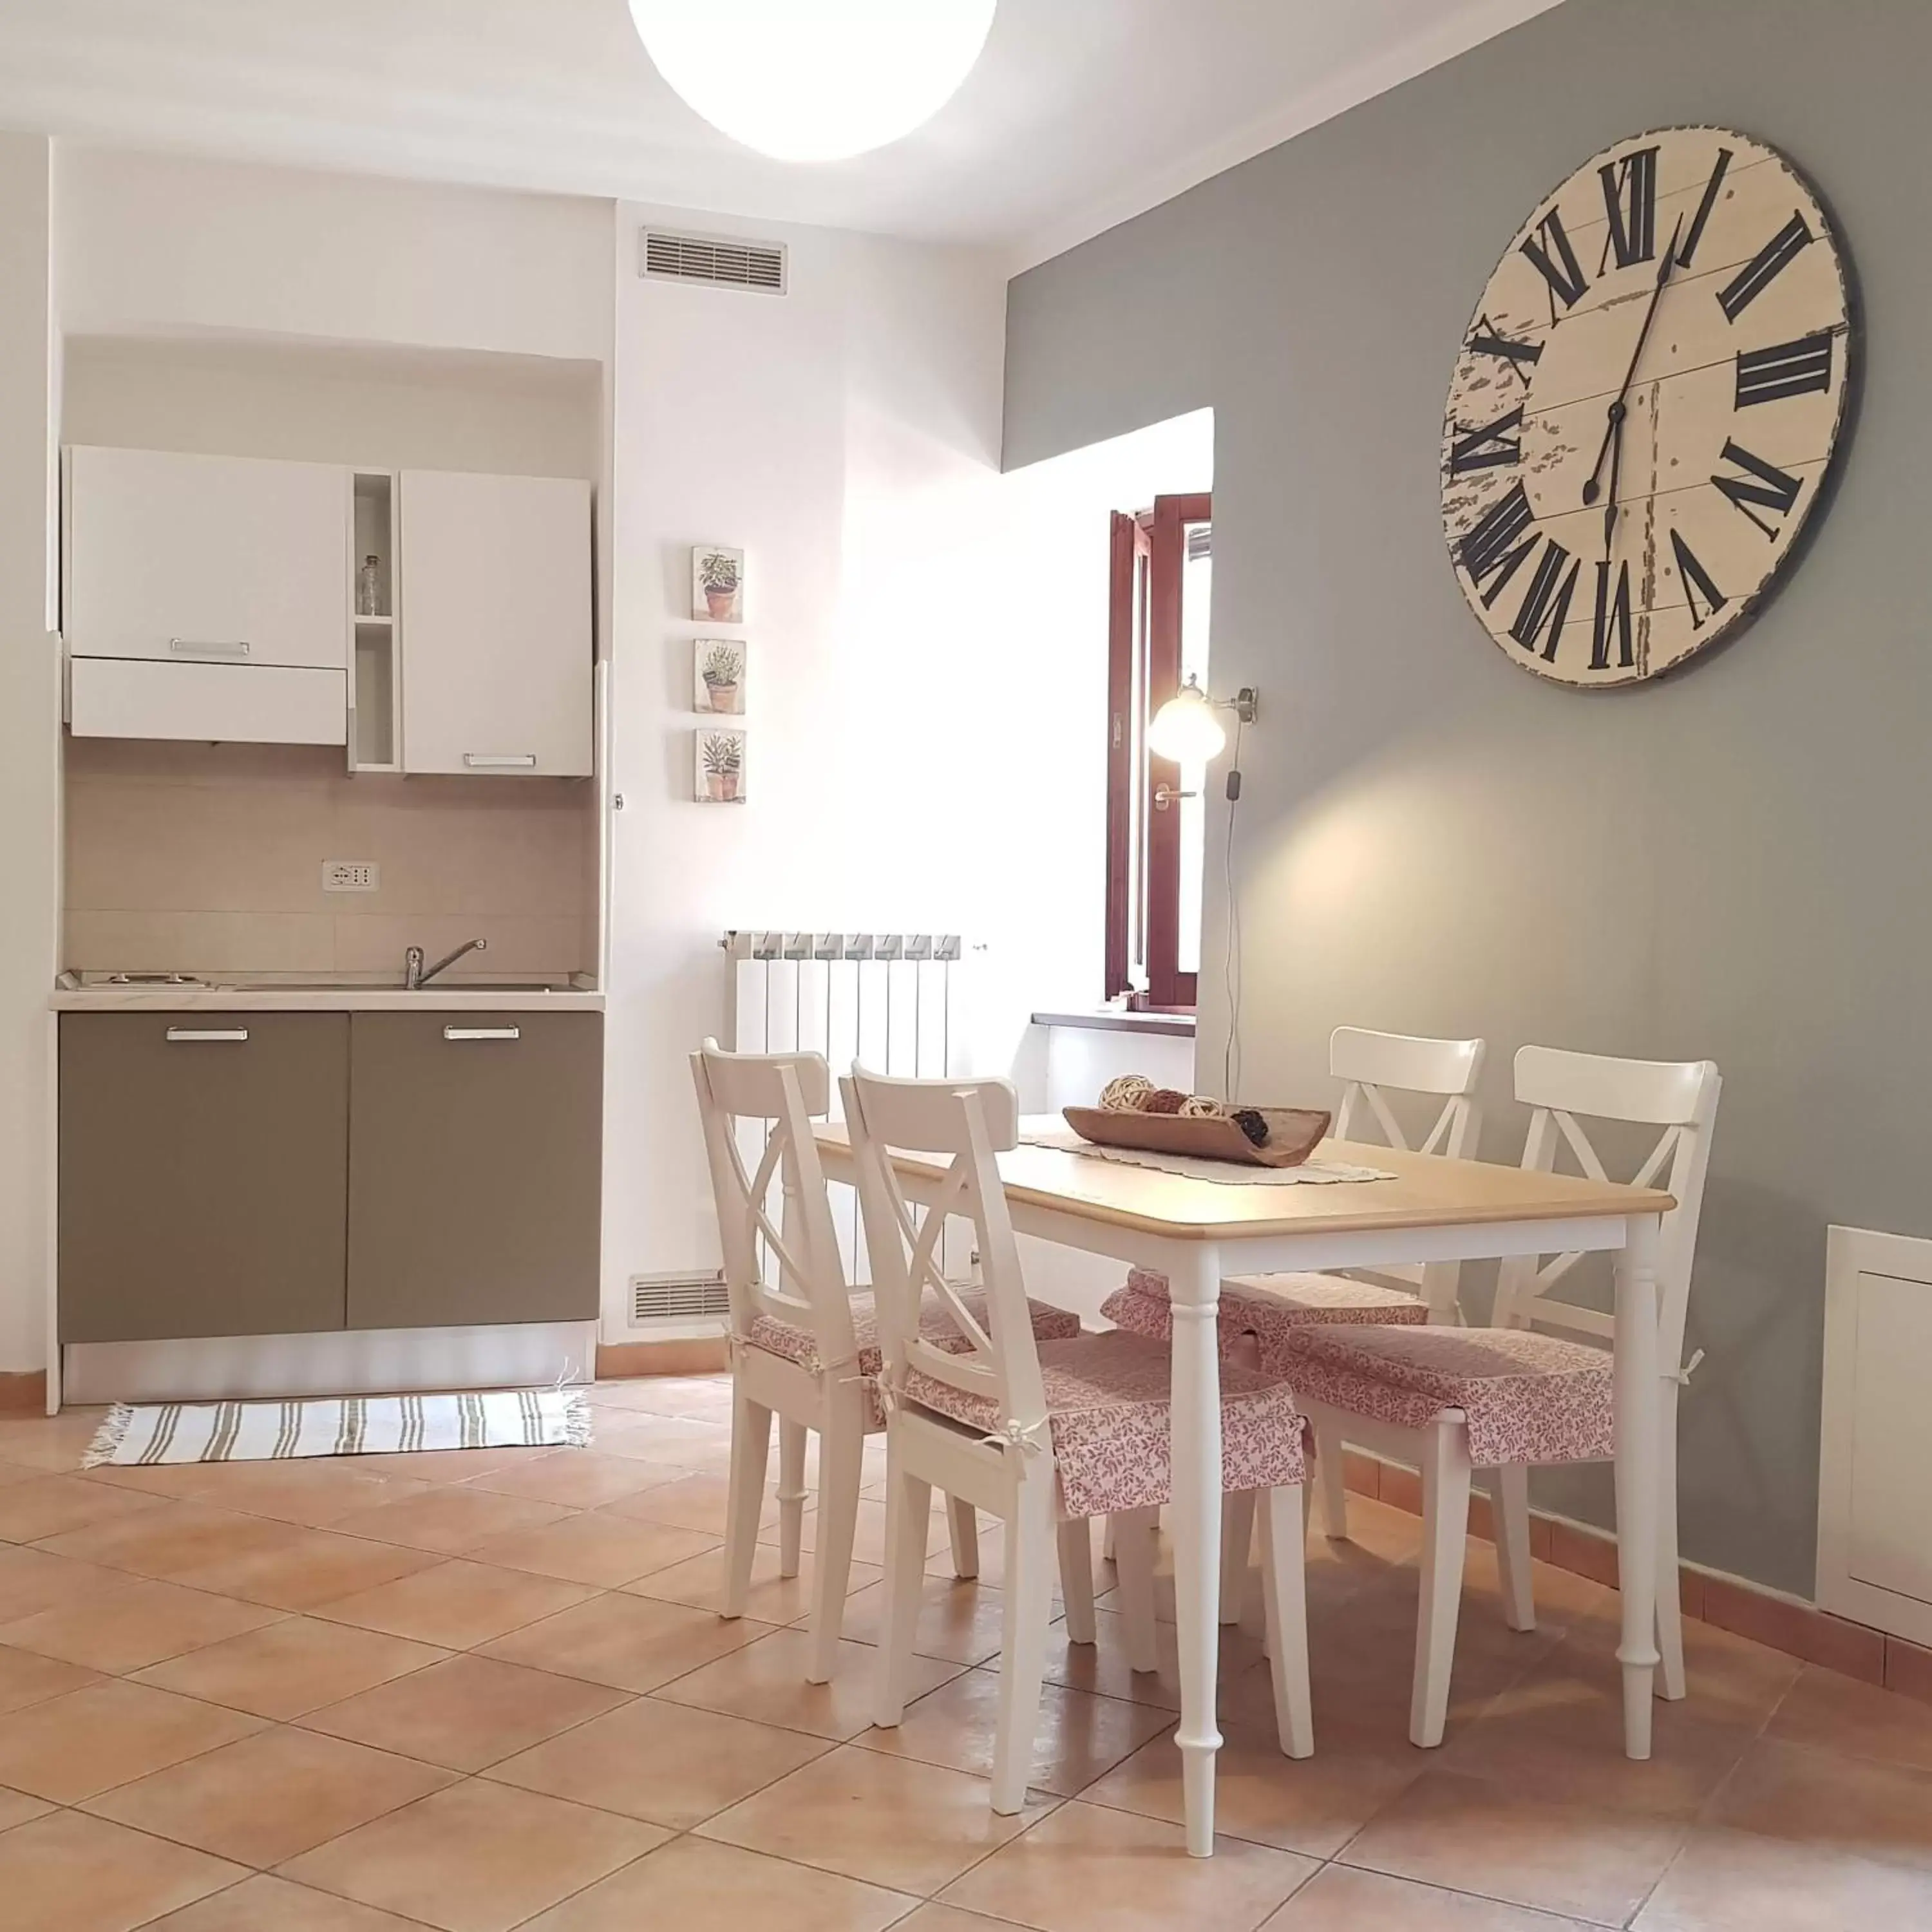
(1730, 863)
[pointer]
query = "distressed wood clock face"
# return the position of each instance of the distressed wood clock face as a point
(1646, 405)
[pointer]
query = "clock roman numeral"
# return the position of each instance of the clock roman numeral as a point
(1548, 248)
(1688, 247)
(1767, 487)
(1498, 543)
(1787, 369)
(1487, 341)
(1486, 448)
(1613, 616)
(1546, 602)
(1764, 267)
(1630, 199)
(1696, 583)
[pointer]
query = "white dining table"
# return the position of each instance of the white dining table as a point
(1197, 1231)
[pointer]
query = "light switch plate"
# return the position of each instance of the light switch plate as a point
(351, 875)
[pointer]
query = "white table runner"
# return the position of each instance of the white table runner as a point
(1223, 1173)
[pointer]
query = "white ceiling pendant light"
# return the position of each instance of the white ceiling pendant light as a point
(815, 80)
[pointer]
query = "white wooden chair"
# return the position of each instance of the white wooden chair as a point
(1510, 1397)
(803, 1347)
(1259, 1310)
(1045, 1436)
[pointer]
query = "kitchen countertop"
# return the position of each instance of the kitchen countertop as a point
(259, 999)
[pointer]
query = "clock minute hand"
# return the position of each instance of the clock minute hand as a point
(1610, 507)
(1613, 430)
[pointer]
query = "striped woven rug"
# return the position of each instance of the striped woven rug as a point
(260, 1432)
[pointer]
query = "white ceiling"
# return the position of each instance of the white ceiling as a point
(1081, 112)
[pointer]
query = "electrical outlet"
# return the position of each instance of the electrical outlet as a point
(350, 875)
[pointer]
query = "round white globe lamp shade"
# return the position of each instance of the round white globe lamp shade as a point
(1185, 730)
(815, 80)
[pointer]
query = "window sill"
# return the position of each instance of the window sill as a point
(1106, 1019)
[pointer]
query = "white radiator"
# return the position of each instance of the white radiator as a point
(895, 1001)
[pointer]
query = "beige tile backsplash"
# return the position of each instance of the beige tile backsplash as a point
(207, 859)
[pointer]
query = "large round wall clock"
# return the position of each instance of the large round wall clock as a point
(1646, 406)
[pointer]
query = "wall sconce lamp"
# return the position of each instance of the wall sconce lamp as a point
(1186, 731)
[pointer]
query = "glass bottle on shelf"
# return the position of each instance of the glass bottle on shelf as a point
(369, 588)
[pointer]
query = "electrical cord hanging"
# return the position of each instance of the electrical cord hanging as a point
(1230, 964)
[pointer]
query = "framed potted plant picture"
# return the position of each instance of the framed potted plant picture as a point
(720, 772)
(717, 583)
(717, 675)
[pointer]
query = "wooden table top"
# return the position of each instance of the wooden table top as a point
(1429, 1191)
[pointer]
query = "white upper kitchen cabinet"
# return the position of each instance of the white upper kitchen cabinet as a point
(495, 621)
(206, 559)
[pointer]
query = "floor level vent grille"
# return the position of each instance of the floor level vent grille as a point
(678, 1297)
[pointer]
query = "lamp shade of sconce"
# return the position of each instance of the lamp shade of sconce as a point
(1185, 730)
(815, 80)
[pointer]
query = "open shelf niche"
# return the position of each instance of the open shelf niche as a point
(376, 683)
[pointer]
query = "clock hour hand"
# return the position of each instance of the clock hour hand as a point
(1610, 507)
(1618, 410)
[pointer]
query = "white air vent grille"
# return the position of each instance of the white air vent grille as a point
(678, 1297)
(716, 259)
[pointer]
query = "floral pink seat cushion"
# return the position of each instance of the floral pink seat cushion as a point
(797, 1343)
(1107, 1415)
(1527, 1397)
(1267, 1306)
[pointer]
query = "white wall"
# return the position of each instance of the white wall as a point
(161, 242)
(846, 436)
(372, 406)
(926, 705)
(926, 735)
(29, 743)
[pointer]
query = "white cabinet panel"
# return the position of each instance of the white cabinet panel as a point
(494, 618)
(206, 558)
(262, 704)
(1891, 1541)
(1874, 1506)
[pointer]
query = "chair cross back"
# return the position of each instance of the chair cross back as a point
(971, 1121)
(1679, 1096)
(1371, 1065)
(782, 1092)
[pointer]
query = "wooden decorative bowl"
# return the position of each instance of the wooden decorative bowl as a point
(1293, 1134)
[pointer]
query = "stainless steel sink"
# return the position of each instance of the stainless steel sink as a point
(428, 993)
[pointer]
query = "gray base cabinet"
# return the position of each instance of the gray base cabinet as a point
(273, 1173)
(474, 1159)
(204, 1162)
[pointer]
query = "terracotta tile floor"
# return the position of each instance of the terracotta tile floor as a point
(480, 1692)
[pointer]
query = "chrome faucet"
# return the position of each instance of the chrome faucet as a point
(415, 973)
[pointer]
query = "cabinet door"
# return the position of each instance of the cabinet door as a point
(495, 611)
(206, 558)
(247, 704)
(203, 1174)
(474, 1150)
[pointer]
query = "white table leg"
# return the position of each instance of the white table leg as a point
(1637, 1475)
(1195, 1289)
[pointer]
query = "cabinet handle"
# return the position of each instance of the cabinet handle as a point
(482, 1032)
(191, 1034)
(204, 647)
(498, 760)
